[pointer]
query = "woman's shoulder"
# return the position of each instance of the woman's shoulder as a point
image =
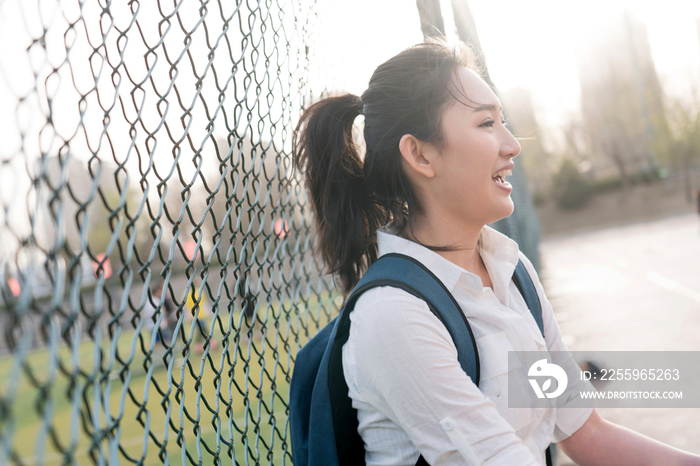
(530, 268)
(387, 300)
(387, 318)
(525, 260)
(393, 315)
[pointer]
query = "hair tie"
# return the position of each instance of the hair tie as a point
(360, 106)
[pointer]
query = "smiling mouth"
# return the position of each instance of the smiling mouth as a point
(500, 177)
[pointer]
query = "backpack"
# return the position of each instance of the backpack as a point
(323, 423)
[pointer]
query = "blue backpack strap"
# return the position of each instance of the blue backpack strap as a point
(524, 283)
(406, 273)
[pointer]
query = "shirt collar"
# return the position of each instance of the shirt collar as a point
(499, 253)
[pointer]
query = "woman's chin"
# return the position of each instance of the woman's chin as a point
(504, 211)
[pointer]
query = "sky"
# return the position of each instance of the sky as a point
(529, 44)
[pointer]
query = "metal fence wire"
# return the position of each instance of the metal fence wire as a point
(157, 275)
(157, 271)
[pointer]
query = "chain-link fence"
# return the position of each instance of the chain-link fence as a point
(157, 275)
(157, 267)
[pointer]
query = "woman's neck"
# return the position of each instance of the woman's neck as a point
(456, 243)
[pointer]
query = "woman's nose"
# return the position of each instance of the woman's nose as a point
(510, 147)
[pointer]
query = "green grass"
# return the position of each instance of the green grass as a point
(253, 382)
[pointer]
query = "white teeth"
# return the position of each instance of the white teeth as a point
(503, 173)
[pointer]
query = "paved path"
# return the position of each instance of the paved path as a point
(632, 288)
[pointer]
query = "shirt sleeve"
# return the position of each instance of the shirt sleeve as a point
(407, 368)
(570, 418)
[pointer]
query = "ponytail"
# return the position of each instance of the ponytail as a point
(347, 215)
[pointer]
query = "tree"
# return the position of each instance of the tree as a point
(431, 22)
(622, 102)
(684, 121)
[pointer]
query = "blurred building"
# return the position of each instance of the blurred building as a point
(521, 115)
(622, 102)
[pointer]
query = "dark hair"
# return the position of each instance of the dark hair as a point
(351, 199)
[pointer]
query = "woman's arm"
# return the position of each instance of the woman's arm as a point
(599, 442)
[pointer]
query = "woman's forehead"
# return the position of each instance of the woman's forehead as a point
(479, 95)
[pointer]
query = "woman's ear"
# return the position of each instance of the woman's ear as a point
(418, 155)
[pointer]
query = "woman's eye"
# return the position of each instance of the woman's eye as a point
(490, 123)
(505, 122)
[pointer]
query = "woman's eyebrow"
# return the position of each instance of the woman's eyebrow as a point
(488, 107)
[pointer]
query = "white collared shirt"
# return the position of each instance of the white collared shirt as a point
(412, 395)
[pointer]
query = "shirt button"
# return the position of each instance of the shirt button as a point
(540, 412)
(447, 425)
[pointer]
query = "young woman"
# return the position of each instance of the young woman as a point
(437, 153)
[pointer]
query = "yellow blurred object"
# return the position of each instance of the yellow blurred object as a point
(198, 308)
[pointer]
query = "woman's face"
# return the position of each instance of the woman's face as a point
(476, 147)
